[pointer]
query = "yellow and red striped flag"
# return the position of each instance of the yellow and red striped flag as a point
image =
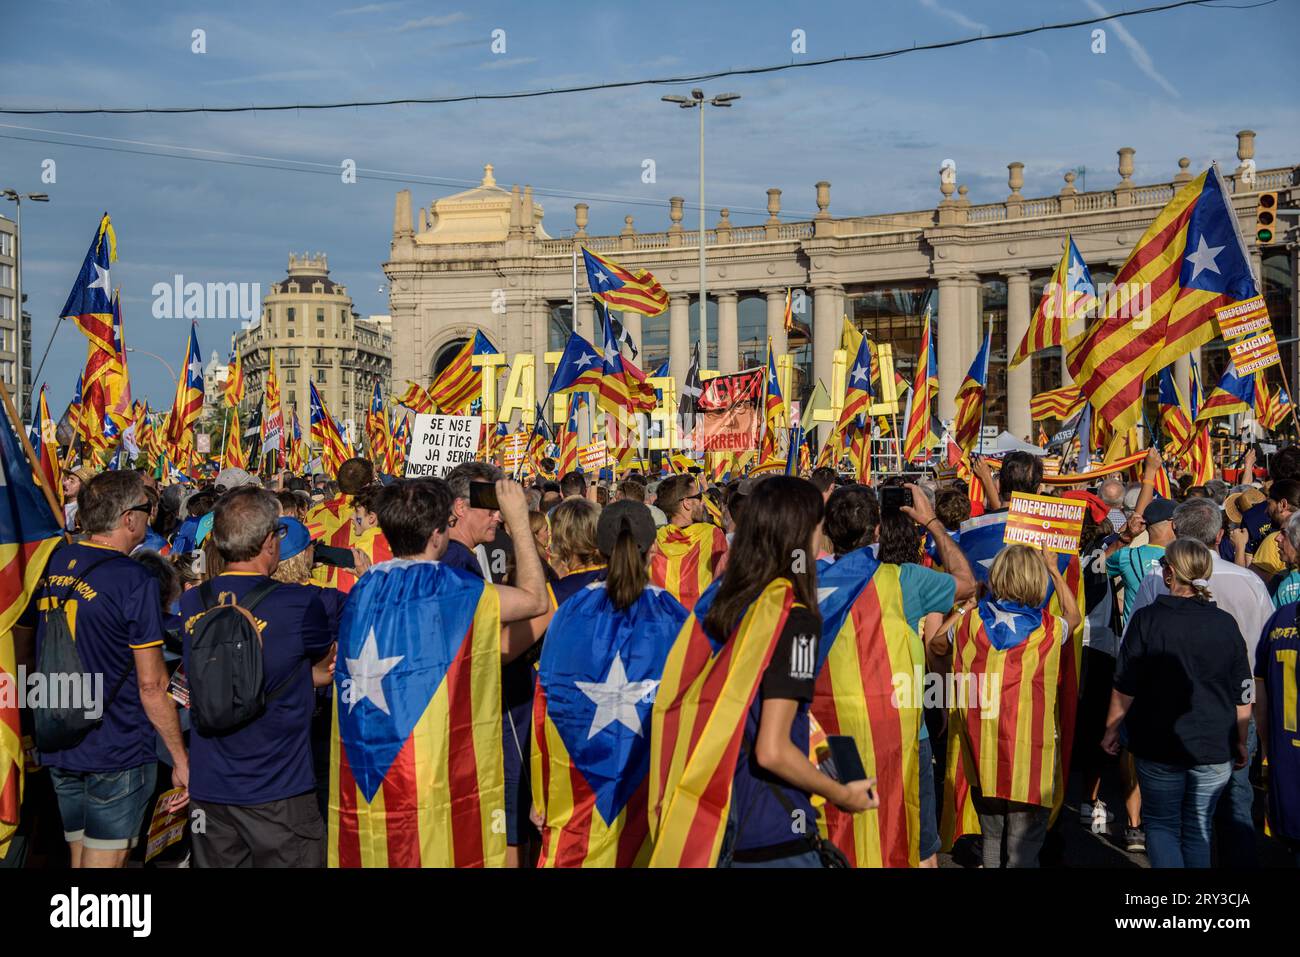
(188, 402)
(1189, 262)
(623, 289)
(684, 561)
(234, 456)
(45, 443)
(866, 643)
(1056, 403)
(461, 382)
(698, 724)
(1068, 295)
(234, 390)
(925, 388)
(415, 399)
(970, 399)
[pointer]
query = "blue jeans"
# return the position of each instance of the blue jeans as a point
(103, 810)
(930, 842)
(1233, 821)
(1177, 808)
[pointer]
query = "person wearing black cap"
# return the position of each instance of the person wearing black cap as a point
(600, 667)
(1134, 562)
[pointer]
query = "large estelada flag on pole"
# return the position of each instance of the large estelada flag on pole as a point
(461, 382)
(925, 387)
(1067, 295)
(1189, 262)
(1234, 394)
(970, 399)
(29, 531)
(866, 643)
(90, 306)
(234, 390)
(188, 402)
(416, 763)
(591, 741)
(622, 289)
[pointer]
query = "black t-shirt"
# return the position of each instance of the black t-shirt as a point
(792, 672)
(1183, 661)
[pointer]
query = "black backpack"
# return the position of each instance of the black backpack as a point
(225, 671)
(63, 723)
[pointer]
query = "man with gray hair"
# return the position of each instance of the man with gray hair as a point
(256, 785)
(1241, 593)
(471, 529)
(105, 782)
(1111, 491)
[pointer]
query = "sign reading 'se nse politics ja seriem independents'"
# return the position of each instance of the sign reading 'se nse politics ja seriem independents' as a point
(441, 442)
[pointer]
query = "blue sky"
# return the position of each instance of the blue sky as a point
(1169, 85)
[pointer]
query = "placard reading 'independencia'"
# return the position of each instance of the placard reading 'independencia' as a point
(1041, 520)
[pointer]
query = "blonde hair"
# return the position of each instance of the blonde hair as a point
(1191, 564)
(295, 569)
(573, 533)
(1018, 575)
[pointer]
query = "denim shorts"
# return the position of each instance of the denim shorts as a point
(104, 809)
(930, 842)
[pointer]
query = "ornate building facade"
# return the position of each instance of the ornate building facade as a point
(308, 322)
(481, 260)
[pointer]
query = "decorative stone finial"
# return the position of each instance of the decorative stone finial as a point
(580, 218)
(773, 206)
(1126, 165)
(1184, 171)
(1015, 177)
(488, 178)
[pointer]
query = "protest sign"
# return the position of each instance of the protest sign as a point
(593, 457)
(1054, 523)
(441, 442)
(1243, 318)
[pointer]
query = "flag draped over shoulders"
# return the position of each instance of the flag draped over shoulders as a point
(866, 642)
(685, 560)
(416, 763)
(596, 683)
(698, 726)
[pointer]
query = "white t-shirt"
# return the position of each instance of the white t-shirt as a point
(1236, 590)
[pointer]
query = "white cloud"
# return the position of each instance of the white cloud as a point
(955, 16)
(367, 8)
(1141, 58)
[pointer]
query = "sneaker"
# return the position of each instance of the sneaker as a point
(1101, 818)
(1135, 839)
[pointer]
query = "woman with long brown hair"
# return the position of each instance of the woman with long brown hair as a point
(759, 622)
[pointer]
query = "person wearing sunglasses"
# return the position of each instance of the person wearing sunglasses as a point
(118, 632)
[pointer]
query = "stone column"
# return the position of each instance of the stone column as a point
(728, 332)
(776, 321)
(538, 315)
(1019, 379)
(949, 345)
(1183, 375)
(586, 315)
(972, 323)
(679, 337)
(1066, 378)
(632, 323)
(826, 331)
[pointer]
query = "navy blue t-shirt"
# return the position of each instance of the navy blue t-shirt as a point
(458, 556)
(270, 758)
(1258, 524)
(115, 612)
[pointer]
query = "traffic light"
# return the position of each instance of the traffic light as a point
(1266, 219)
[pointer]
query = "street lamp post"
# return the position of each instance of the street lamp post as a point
(167, 365)
(17, 199)
(697, 101)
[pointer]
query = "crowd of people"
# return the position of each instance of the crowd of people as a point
(684, 672)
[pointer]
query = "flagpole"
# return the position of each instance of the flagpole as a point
(225, 424)
(989, 344)
(31, 454)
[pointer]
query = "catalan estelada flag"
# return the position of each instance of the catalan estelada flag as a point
(925, 387)
(1067, 296)
(416, 399)
(580, 367)
(325, 432)
(1271, 408)
(773, 408)
(45, 443)
(235, 385)
(620, 289)
(1234, 394)
(1056, 403)
(698, 724)
(686, 560)
(970, 399)
(1188, 263)
(1175, 423)
(416, 764)
(29, 531)
(857, 387)
(188, 402)
(377, 429)
(90, 306)
(461, 382)
(596, 681)
(1006, 673)
(620, 389)
(568, 461)
(867, 642)
(397, 448)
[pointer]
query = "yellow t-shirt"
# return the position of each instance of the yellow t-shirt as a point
(1269, 555)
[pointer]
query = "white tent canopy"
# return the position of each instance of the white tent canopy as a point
(1004, 443)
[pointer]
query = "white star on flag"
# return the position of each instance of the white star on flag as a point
(1203, 258)
(1006, 618)
(585, 361)
(601, 278)
(101, 281)
(368, 673)
(824, 593)
(196, 369)
(859, 372)
(616, 699)
(1075, 275)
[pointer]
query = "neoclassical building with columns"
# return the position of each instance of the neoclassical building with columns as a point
(481, 260)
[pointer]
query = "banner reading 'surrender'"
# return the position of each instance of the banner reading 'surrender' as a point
(727, 417)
